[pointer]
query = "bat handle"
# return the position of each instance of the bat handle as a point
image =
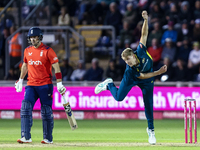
(65, 101)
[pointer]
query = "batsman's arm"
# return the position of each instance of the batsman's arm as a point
(60, 87)
(162, 70)
(56, 67)
(24, 70)
(144, 32)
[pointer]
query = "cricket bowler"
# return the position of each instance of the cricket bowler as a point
(139, 71)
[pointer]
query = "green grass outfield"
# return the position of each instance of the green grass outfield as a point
(99, 135)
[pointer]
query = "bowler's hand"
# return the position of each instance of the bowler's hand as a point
(144, 15)
(18, 85)
(163, 69)
(61, 89)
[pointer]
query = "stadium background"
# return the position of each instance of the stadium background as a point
(85, 38)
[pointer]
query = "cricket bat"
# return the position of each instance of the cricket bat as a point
(70, 115)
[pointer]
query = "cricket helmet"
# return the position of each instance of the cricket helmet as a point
(35, 31)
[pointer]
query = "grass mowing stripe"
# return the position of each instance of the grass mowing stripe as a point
(99, 134)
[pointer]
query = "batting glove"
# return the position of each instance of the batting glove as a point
(61, 89)
(18, 85)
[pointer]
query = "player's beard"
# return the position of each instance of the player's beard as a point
(36, 43)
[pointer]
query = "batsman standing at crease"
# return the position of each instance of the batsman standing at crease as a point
(38, 62)
(139, 71)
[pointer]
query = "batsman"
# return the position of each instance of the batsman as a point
(139, 71)
(38, 62)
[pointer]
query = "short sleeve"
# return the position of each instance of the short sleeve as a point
(141, 48)
(25, 60)
(52, 56)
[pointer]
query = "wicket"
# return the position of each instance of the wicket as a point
(190, 120)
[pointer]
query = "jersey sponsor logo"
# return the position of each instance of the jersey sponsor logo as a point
(55, 58)
(37, 62)
(30, 53)
(140, 45)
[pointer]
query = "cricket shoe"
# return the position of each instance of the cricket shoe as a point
(152, 138)
(102, 86)
(23, 140)
(45, 141)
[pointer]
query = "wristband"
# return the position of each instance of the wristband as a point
(58, 75)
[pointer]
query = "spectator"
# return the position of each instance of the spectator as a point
(194, 61)
(58, 4)
(95, 73)
(180, 71)
(196, 31)
(66, 70)
(156, 14)
(42, 14)
(113, 71)
(155, 51)
(163, 6)
(131, 16)
(172, 14)
(93, 11)
(170, 33)
(98, 11)
(78, 74)
(15, 47)
(183, 33)
(137, 35)
(71, 6)
(155, 33)
(3, 37)
(83, 12)
(114, 18)
(197, 10)
(125, 34)
(185, 13)
(64, 18)
(169, 50)
(184, 50)
(104, 40)
(5, 34)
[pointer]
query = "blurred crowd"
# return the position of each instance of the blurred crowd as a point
(174, 35)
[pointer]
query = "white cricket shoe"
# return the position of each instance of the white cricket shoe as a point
(23, 140)
(152, 138)
(45, 141)
(102, 86)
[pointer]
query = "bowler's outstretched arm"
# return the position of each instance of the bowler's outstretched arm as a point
(162, 70)
(145, 28)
